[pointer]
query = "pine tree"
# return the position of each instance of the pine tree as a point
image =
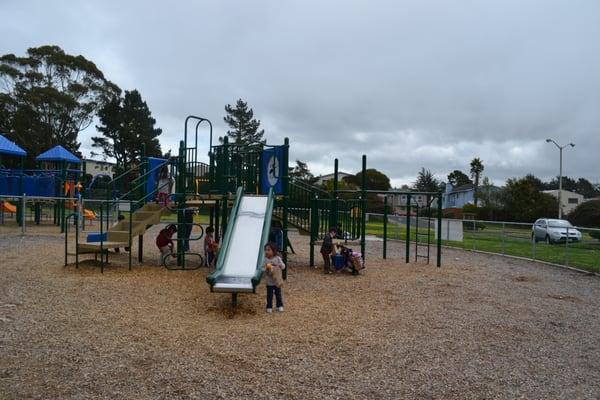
(244, 129)
(126, 125)
(426, 182)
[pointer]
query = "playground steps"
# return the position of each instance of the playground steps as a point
(118, 235)
(90, 248)
(303, 226)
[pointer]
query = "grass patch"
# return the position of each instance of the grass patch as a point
(513, 240)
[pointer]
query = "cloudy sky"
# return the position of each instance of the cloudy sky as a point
(409, 83)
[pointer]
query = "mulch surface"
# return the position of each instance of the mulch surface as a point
(481, 327)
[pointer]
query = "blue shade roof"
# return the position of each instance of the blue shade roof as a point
(58, 153)
(8, 147)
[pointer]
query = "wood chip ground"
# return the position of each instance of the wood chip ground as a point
(481, 327)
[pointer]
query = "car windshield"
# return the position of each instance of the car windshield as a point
(559, 223)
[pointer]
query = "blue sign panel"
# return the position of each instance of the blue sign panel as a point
(272, 170)
(152, 177)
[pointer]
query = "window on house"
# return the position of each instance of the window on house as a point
(573, 200)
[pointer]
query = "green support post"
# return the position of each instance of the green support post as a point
(37, 212)
(217, 208)
(140, 248)
(180, 199)
(385, 225)
(286, 195)
(130, 238)
(333, 210)
(225, 183)
(63, 213)
(408, 200)
(76, 240)
(364, 208)
(101, 238)
(314, 227)
(439, 236)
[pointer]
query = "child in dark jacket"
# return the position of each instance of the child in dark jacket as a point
(327, 249)
(164, 241)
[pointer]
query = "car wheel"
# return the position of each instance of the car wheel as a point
(534, 238)
(548, 241)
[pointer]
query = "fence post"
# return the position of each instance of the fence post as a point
(567, 248)
(533, 243)
(474, 235)
(439, 229)
(81, 200)
(23, 203)
(385, 224)
(407, 256)
(503, 237)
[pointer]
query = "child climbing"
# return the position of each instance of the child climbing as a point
(273, 266)
(163, 186)
(327, 249)
(210, 247)
(164, 242)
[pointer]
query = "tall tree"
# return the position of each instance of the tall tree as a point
(243, 127)
(375, 180)
(48, 97)
(489, 195)
(524, 202)
(476, 170)
(586, 188)
(458, 178)
(426, 182)
(302, 173)
(126, 125)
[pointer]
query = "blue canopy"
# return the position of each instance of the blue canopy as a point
(8, 147)
(58, 153)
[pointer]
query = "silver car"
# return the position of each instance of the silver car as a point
(554, 231)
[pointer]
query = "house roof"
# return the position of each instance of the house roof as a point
(463, 188)
(9, 147)
(58, 153)
(330, 176)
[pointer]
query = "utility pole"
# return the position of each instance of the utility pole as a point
(560, 150)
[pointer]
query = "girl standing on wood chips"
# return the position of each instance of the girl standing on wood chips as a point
(273, 266)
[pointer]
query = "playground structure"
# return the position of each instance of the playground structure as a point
(54, 185)
(245, 190)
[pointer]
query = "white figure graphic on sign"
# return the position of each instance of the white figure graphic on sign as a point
(273, 170)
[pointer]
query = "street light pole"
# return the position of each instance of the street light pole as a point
(560, 150)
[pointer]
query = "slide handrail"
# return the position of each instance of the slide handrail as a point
(264, 239)
(212, 277)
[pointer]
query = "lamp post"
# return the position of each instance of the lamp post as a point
(560, 149)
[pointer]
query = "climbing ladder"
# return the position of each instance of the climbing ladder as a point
(423, 239)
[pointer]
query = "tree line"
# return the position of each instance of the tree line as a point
(48, 97)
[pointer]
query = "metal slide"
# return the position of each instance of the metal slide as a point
(239, 264)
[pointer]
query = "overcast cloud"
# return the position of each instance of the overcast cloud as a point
(409, 83)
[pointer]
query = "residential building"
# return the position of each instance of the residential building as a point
(97, 167)
(569, 200)
(457, 197)
(398, 202)
(329, 177)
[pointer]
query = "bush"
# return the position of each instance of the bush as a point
(587, 215)
(470, 209)
(473, 226)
